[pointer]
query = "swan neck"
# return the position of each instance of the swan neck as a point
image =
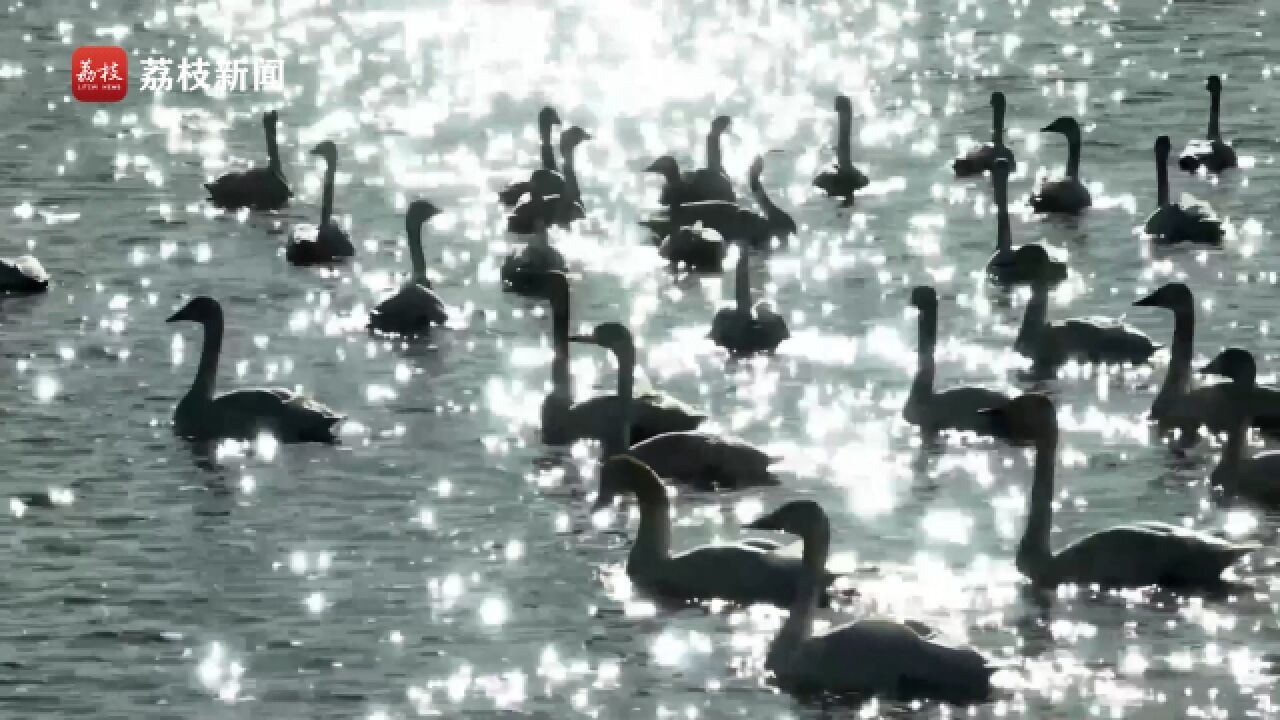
(571, 190)
(927, 340)
(548, 150)
(1162, 180)
(798, 625)
(997, 126)
(714, 161)
(1215, 107)
(273, 150)
(1004, 232)
(326, 205)
(1177, 379)
(1034, 319)
(1233, 454)
(742, 281)
(560, 379)
(207, 372)
(653, 537)
(621, 440)
(1034, 552)
(1073, 155)
(771, 210)
(418, 260)
(844, 140)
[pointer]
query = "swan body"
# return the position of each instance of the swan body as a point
(564, 421)
(415, 307)
(330, 243)
(1177, 404)
(696, 459)
(843, 179)
(22, 275)
(1133, 555)
(697, 248)
(873, 656)
(1188, 221)
(1238, 474)
(745, 573)
(525, 268)
(1089, 340)
(559, 199)
(1065, 195)
(732, 221)
(1024, 265)
(548, 120)
(958, 408)
(743, 328)
(982, 158)
(242, 414)
(258, 188)
(1212, 154)
(707, 183)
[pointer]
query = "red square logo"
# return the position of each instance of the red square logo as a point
(99, 73)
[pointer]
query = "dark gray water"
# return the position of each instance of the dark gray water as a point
(440, 560)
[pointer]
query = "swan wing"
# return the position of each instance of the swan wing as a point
(1147, 553)
(22, 274)
(741, 573)
(414, 308)
(288, 415)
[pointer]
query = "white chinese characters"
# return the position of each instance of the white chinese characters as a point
(193, 74)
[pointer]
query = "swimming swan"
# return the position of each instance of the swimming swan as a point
(258, 188)
(415, 307)
(1137, 555)
(548, 119)
(697, 459)
(560, 198)
(1066, 195)
(731, 220)
(982, 158)
(330, 242)
(242, 414)
(743, 573)
(564, 421)
(711, 182)
(843, 179)
(525, 268)
(875, 656)
(1191, 221)
(1088, 340)
(1255, 478)
(22, 275)
(780, 224)
(1212, 153)
(1008, 266)
(1179, 406)
(744, 329)
(956, 408)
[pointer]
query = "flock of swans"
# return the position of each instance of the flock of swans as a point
(648, 439)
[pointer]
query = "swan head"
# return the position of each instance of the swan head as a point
(1173, 296)
(798, 517)
(610, 335)
(1234, 363)
(200, 308)
(1213, 84)
(269, 119)
(1065, 125)
(1026, 419)
(720, 124)
(623, 474)
(548, 118)
(924, 297)
(843, 105)
(1163, 147)
(1037, 264)
(419, 212)
(326, 150)
(572, 138)
(997, 100)
(665, 166)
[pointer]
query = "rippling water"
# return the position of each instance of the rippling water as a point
(440, 560)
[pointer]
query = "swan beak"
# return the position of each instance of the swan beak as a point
(602, 503)
(653, 167)
(1148, 301)
(587, 339)
(176, 317)
(1212, 368)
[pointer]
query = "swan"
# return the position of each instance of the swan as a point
(982, 158)
(1255, 478)
(524, 269)
(242, 414)
(548, 119)
(561, 197)
(711, 182)
(1006, 265)
(1126, 556)
(843, 179)
(698, 459)
(258, 188)
(416, 306)
(330, 242)
(743, 573)
(743, 329)
(873, 656)
(22, 275)
(697, 248)
(1212, 153)
(1091, 340)
(1191, 221)
(564, 421)
(1066, 195)
(731, 220)
(1177, 405)
(956, 408)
